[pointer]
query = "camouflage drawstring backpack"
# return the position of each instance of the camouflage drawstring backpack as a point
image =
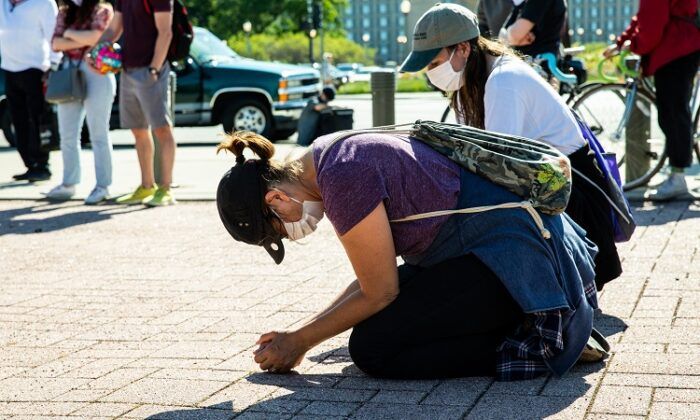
(535, 171)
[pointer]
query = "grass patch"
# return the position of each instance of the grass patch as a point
(404, 85)
(592, 57)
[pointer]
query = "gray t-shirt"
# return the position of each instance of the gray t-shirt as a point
(361, 171)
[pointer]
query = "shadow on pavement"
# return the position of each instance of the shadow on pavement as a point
(318, 395)
(662, 213)
(14, 184)
(19, 221)
(609, 325)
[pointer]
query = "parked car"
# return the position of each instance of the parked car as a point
(337, 77)
(364, 74)
(217, 86)
(349, 68)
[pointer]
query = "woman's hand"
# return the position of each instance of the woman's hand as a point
(280, 352)
(611, 51)
(529, 38)
(91, 63)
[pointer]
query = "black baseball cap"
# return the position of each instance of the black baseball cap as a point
(240, 200)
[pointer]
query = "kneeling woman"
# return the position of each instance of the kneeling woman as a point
(493, 89)
(479, 294)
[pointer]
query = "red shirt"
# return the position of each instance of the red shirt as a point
(662, 31)
(139, 39)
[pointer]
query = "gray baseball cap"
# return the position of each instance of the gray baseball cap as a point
(442, 25)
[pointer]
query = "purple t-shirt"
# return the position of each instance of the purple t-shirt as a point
(361, 171)
(140, 32)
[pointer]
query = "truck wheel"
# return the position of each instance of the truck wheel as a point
(247, 115)
(6, 125)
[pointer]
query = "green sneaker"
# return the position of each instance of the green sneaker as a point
(162, 197)
(138, 196)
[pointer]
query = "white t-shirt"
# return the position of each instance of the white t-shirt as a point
(520, 102)
(26, 33)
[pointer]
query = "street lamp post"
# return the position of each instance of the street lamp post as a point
(402, 40)
(312, 35)
(405, 9)
(365, 41)
(247, 28)
(580, 31)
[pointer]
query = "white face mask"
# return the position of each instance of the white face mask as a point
(77, 2)
(311, 214)
(445, 78)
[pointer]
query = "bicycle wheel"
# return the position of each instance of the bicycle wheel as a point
(603, 108)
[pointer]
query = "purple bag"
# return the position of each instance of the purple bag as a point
(620, 213)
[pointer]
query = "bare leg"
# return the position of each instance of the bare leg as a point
(144, 150)
(167, 154)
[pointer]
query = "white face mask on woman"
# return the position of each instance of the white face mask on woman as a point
(445, 78)
(311, 214)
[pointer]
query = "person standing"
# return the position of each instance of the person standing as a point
(79, 25)
(143, 91)
(534, 27)
(492, 15)
(666, 35)
(26, 29)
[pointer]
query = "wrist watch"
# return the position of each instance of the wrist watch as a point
(153, 71)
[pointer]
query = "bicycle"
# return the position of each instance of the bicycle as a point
(624, 118)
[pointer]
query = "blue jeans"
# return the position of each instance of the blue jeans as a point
(97, 106)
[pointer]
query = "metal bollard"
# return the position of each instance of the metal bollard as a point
(637, 147)
(172, 88)
(383, 85)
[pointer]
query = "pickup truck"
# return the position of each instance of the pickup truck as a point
(217, 86)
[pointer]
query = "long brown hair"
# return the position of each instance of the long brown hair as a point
(78, 14)
(468, 101)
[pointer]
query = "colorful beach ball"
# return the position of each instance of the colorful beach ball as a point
(107, 57)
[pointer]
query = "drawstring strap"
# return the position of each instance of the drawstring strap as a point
(610, 201)
(384, 129)
(526, 205)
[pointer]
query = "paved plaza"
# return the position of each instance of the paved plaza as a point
(114, 311)
(124, 311)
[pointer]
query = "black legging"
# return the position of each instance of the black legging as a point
(446, 322)
(674, 82)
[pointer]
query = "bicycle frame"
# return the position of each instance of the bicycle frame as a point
(633, 79)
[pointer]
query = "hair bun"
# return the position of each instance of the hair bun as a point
(237, 142)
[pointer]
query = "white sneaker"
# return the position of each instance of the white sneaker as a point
(61, 192)
(97, 195)
(674, 186)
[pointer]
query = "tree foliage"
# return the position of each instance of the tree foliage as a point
(294, 48)
(225, 17)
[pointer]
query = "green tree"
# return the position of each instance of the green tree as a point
(225, 17)
(294, 48)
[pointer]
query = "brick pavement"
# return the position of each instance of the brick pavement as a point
(112, 311)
